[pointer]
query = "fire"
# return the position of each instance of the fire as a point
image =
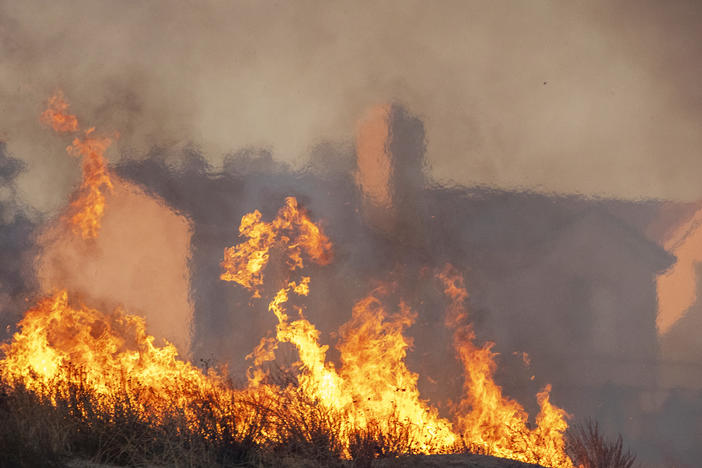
(487, 419)
(373, 351)
(56, 115)
(373, 386)
(371, 394)
(372, 391)
(89, 204)
(291, 228)
(59, 343)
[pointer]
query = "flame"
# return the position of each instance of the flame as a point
(112, 352)
(372, 390)
(487, 419)
(291, 229)
(373, 387)
(56, 115)
(88, 206)
(373, 351)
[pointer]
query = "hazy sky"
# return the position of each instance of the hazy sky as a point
(600, 98)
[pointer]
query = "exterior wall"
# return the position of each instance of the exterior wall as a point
(681, 350)
(139, 262)
(585, 310)
(390, 171)
(374, 174)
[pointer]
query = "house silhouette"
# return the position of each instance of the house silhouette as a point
(568, 280)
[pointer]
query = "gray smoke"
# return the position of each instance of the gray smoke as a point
(568, 280)
(573, 97)
(17, 248)
(518, 101)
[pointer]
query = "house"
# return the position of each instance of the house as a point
(570, 281)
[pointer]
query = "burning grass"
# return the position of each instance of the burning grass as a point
(69, 421)
(121, 426)
(119, 397)
(129, 424)
(80, 382)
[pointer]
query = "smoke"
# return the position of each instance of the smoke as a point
(584, 97)
(16, 247)
(568, 280)
(589, 98)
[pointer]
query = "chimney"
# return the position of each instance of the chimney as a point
(390, 170)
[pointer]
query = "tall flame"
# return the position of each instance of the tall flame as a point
(374, 387)
(372, 391)
(487, 419)
(88, 206)
(373, 351)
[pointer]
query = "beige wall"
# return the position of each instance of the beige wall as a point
(139, 261)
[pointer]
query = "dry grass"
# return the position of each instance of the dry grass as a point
(588, 447)
(65, 422)
(71, 423)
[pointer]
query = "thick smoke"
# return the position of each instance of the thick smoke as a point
(574, 97)
(16, 247)
(519, 101)
(569, 281)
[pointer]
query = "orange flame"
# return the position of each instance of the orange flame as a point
(292, 229)
(57, 117)
(113, 351)
(89, 204)
(374, 387)
(487, 419)
(373, 351)
(372, 390)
